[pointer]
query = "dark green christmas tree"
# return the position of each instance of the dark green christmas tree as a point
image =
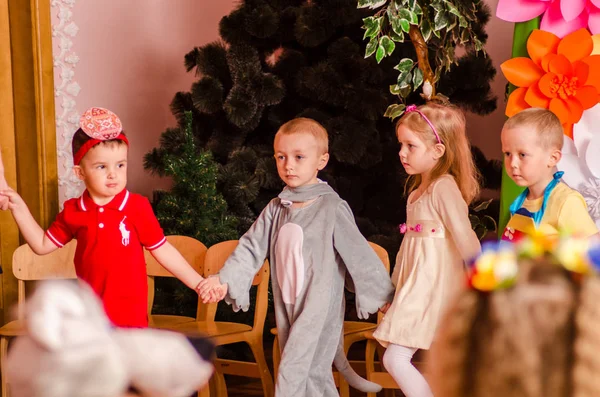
(281, 59)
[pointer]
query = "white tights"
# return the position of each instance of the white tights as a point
(396, 361)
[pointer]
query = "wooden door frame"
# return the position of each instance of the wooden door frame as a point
(27, 123)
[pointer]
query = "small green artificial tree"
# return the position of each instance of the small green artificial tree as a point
(193, 207)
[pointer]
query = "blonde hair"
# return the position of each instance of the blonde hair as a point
(450, 124)
(537, 339)
(547, 126)
(305, 125)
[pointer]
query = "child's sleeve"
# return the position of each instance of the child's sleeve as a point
(59, 231)
(452, 208)
(148, 229)
(372, 283)
(574, 216)
(246, 260)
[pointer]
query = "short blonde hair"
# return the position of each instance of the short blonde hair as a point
(308, 126)
(547, 125)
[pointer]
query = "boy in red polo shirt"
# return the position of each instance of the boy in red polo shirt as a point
(111, 224)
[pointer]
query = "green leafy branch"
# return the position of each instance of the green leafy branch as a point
(481, 222)
(431, 25)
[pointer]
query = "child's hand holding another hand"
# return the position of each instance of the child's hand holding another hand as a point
(211, 290)
(9, 199)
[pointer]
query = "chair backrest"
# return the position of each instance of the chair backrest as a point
(385, 258)
(191, 249)
(382, 254)
(214, 261)
(28, 266)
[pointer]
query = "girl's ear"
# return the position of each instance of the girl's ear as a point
(323, 161)
(438, 150)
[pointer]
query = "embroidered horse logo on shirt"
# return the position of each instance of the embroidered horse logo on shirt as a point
(124, 232)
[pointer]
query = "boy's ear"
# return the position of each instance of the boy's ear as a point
(438, 150)
(78, 172)
(555, 157)
(323, 161)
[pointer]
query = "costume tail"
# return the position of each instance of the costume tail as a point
(355, 380)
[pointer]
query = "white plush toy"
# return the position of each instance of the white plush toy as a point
(72, 350)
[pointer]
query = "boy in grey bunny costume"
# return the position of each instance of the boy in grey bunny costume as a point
(310, 237)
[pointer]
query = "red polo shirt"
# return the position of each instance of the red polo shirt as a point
(109, 254)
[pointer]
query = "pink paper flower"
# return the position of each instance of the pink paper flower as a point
(402, 228)
(561, 17)
(418, 227)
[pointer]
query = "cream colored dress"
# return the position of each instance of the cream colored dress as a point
(430, 264)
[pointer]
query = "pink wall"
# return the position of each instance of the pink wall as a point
(484, 131)
(131, 61)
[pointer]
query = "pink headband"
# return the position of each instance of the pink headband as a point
(99, 124)
(413, 108)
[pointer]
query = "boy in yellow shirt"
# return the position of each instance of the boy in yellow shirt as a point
(532, 143)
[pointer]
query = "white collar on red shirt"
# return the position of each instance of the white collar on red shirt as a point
(118, 202)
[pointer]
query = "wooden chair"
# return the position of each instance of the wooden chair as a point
(27, 266)
(354, 331)
(377, 373)
(194, 252)
(224, 333)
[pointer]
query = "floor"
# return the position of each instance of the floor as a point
(247, 387)
(238, 387)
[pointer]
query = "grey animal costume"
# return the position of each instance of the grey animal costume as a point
(310, 249)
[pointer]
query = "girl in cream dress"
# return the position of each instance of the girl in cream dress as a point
(438, 238)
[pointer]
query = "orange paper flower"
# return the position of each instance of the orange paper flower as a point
(561, 75)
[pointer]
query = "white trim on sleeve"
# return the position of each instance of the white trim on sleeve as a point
(54, 239)
(161, 242)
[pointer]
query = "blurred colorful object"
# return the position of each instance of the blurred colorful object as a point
(572, 254)
(560, 17)
(560, 75)
(497, 266)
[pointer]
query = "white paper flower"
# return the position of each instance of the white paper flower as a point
(67, 74)
(72, 59)
(591, 193)
(581, 160)
(73, 89)
(65, 13)
(74, 118)
(71, 29)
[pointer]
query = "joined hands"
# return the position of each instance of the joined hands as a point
(9, 199)
(210, 290)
